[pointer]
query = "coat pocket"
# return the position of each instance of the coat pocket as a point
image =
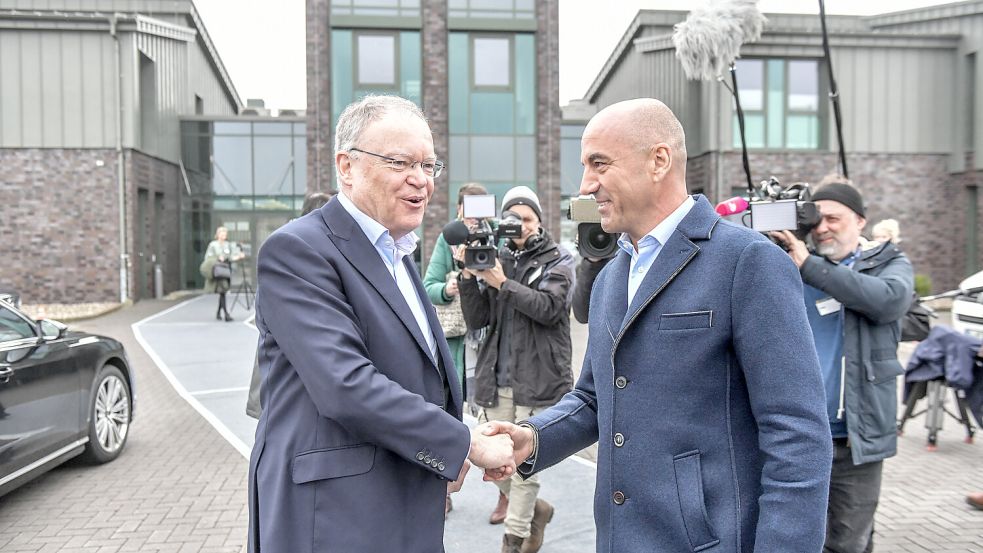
(883, 366)
(689, 488)
(335, 462)
(686, 321)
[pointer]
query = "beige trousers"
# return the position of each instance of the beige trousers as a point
(521, 493)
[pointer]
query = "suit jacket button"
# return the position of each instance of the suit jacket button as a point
(419, 456)
(427, 459)
(621, 382)
(441, 466)
(434, 463)
(619, 439)
(619, 497)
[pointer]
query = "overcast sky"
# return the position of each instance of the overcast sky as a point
(262, 42)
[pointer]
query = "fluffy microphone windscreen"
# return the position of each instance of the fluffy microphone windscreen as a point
(710, 39)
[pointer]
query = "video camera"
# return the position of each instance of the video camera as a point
(774, 208)
(592, 241)
(482, 241)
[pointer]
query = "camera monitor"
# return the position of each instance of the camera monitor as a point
(479, 206)
(777, 215)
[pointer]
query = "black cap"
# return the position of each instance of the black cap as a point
(844, 194)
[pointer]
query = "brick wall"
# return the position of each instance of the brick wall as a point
(59, 235)
(548, 113)
(435, 101)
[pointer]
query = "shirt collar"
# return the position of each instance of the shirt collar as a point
(374, 231)
(662, 232)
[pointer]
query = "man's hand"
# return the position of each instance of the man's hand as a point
(495, 276)
(455, 486)
(492, 452)
(796, 248)
(523, 439)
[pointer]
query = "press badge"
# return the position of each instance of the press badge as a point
(827, 306)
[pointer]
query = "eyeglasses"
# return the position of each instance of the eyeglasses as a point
(431, 167)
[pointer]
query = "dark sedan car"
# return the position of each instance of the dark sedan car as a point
(62, 394)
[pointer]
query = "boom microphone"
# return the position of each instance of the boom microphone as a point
(732, 206)
(455, 233)
(710, 39)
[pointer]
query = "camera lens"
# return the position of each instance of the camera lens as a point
(481, 257)
(599, 240)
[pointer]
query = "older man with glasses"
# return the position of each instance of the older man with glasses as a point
(361, 429)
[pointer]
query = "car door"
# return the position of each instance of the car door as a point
(39, 399)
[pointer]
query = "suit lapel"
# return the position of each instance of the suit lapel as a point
(616, 292)
(352, 243)
(443, 352)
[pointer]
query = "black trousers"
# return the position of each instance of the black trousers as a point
(853, 494)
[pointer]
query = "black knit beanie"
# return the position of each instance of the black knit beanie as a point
(843, 193)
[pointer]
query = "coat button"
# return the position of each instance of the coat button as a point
(434, 463)
(619, 439)
(427, 459)
(419, 456)
(441, 466)
(619, 497)
(621, 382)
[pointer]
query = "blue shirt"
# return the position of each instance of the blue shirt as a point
(392, 253)
(827, 333)
(650, 245)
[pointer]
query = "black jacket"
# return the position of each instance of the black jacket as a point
(538, 293)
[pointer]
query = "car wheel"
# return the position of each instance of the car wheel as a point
(109, 416)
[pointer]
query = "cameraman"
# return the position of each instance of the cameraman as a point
(855, 293)
(524, 364)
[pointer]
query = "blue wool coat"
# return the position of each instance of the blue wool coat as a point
(356, 441)
(706, 398)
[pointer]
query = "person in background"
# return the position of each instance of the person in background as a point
(441, 285)
(219, 250)
(313, 201)
(887, 231)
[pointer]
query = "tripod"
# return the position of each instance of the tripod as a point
(243, 290)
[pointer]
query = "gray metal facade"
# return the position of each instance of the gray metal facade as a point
(58, 82)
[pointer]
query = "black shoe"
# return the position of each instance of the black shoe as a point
(228, 317)
(218, 316)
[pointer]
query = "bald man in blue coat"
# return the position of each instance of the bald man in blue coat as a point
(701, 382)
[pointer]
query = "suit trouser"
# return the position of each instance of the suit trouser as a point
(522, 493)
(853, 494)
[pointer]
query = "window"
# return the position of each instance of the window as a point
(781, 104)
(13, 327)
(492, 62)
(376, 60)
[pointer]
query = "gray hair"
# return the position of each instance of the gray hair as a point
(358, 115)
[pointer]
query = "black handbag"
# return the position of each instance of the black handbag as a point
(222, 270)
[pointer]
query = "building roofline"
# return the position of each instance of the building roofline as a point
(213, 56)
(928, 13)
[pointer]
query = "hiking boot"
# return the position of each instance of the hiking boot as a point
(542, 514)
(511, 544)
(498, 515)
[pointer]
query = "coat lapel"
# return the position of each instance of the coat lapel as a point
(674, 256)
(616, 292)
(443, 351)
(357, 249)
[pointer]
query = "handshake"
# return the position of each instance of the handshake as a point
(498, 447)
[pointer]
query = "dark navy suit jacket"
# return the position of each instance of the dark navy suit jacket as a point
(707, 400)
(355, 444)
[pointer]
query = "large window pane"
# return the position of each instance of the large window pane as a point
(377, 60)
(492, 158)
(803, 85)
(274, 171)
(492, 66)
(750, 81)
(754, 130)
(492, 113)
(232, 162)
(525, 84)
(803, 131)
(300, 165)
(776, 103)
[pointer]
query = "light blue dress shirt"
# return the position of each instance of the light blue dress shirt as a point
(392, 253)
(650, 245)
